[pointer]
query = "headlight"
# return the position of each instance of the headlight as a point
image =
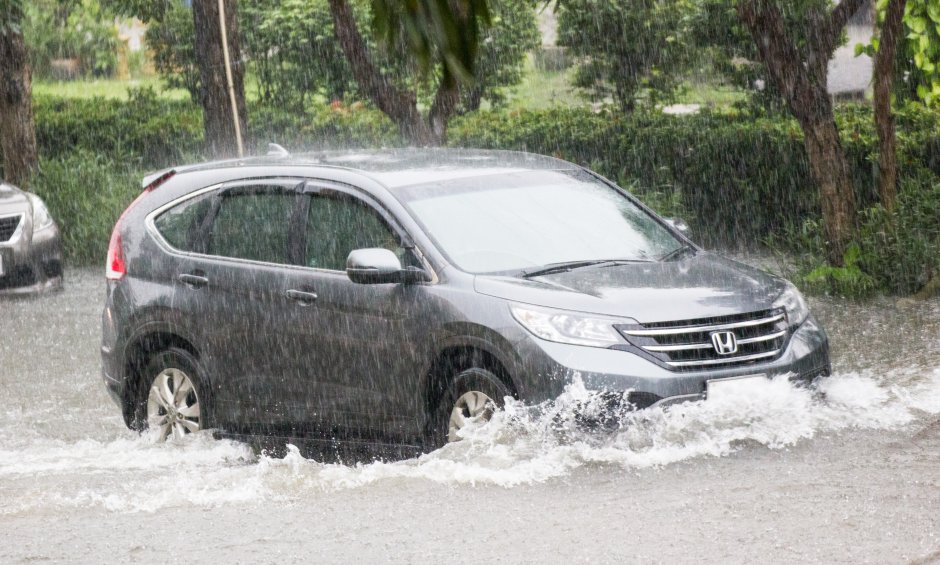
(42, 219)
(793, 302)
(566, 327)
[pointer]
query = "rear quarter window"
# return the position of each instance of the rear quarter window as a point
(180, 225)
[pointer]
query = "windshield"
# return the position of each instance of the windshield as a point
(517, 221)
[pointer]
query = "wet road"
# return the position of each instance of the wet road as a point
(783, 475)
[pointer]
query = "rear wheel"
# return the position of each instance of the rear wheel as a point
(172, 402)
(473, 396)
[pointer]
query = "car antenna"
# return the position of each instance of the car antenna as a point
(275, 150)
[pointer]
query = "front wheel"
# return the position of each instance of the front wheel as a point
(473, 396)
(172, 404)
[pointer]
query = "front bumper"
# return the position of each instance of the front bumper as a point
(31, 262)
(550, 367)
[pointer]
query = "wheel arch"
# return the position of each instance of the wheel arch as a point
(458, 353)
(140, 349)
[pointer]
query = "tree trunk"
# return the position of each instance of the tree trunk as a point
(444, 107)
(17, 133)
(830, 170)
(800, 76)
(401, 106)
(891, 33)
(218, 119)
(474, 98)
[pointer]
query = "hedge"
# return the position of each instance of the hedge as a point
(736, 177)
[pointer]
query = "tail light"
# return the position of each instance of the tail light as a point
(116, 265)
(116, 268)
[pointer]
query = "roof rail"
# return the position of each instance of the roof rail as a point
(275, 150)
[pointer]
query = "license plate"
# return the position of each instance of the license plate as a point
(734, 386)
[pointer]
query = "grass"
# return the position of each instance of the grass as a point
(544, 89)
(710, 95)
(106, 88)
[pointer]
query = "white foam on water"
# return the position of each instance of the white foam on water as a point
(521, 445)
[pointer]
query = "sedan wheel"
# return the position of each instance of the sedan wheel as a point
(173, 405)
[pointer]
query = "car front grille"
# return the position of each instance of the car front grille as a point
(688, 345)
(8, 225)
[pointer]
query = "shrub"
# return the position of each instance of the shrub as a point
(332, 126)
(901, 251)
(737, 177)
(145, 130)
(86, 193)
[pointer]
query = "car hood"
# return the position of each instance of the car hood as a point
(701, 286)
(12, 200)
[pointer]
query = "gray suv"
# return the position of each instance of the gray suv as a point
(396, 296)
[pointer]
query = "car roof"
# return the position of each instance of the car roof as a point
(395, 168)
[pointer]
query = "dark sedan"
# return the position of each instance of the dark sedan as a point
(30, 245)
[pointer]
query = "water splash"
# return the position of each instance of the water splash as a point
(521, 445)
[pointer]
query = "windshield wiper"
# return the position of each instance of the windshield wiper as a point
(566, 266)
(677, 253)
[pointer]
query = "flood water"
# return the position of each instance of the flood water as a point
(846, 474)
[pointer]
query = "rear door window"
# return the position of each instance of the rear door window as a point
(253, 224)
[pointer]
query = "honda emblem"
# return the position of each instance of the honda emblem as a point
(725, 343)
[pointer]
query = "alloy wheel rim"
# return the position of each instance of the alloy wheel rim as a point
(471, 407)
(173, 405)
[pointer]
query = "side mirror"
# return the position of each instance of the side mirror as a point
(680, 226)
(380, 266)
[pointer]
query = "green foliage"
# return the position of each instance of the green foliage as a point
(11, 16)
(322, 126)
(624, 48)
(291, 48)
(293, 51)
(897, 253)
(847, 280)
(171, 38)
(714, 28)
(86, 193)
(922, 24)
(71, 29)
(441, 34)
(500, 63)
(901, 251)
(145, 130)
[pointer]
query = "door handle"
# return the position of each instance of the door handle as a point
(193, 281)
(304, 298)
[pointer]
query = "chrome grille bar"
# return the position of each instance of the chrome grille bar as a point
(723, 360)
(683, 347)
(711, 328)
(694, 346)
(761, 338)
(8, 226)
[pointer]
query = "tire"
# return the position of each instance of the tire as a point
(475, 393)
(171, 397)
